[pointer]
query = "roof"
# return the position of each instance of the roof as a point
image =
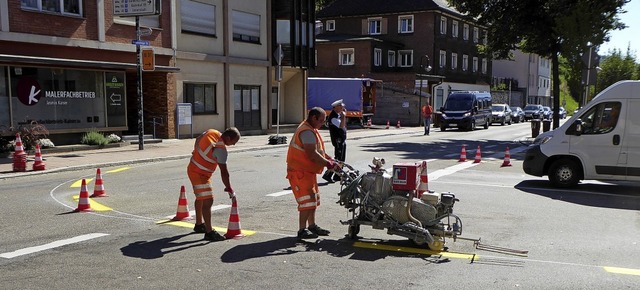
(344, 8)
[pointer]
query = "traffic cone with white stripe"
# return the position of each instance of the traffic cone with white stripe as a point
(19, 156)
(463, 154)
(38, 164)
(424, 180)
(478, 156)
(387, 125)
(507, 158)
(182, 213)
(83, 200)
(369, 122)
(398, 125)
(233, 230)
(98, 189)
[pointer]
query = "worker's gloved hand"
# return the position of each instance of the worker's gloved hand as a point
(331, 165)
(230, 191)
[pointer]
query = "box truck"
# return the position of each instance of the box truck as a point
(358, 94)
(600, 142)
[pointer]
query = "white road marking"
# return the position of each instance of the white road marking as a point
(51, 245)
(450, 170)
(280, 193)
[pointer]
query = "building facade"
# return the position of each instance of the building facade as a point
(73, 66)
(411, 46)
(531, 75)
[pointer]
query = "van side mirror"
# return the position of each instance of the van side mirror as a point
(575, 128)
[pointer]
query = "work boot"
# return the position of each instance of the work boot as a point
(318, 230)
(213, 236)
(306, 234)
(327, 176)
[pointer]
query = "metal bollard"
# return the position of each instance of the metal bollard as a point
(535, 128)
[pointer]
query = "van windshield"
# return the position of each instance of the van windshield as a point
(459, 103)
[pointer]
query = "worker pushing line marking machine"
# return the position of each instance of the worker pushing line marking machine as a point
(399, 202)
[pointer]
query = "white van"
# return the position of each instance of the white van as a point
(601, 141)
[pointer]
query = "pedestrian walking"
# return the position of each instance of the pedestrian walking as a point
(427, 111)
(306, 158)
(338, 133)
(209, 153)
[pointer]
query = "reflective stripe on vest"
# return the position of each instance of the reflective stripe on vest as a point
(297, 159)
(204, 159)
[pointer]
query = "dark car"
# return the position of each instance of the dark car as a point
(532, 112)
(517, 114)
(546, 113)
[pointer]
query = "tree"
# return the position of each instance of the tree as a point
(548, 28)
(616, 67)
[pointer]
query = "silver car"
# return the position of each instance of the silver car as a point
(501, 113)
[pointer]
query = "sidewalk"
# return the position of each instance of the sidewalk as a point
(168, 149)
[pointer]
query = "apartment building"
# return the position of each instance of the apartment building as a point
(410, 45)
(532, 74)
(72, 65)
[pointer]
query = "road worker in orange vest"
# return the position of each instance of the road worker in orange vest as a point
(306, 158)
(209, 153)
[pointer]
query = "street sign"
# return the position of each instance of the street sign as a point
(148, 59)
(140, 42)
(136, 7)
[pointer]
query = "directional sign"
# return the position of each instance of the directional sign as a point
(140, 42)
(136, 7)
(148, 59)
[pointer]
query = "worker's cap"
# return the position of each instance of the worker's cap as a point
(337, 103)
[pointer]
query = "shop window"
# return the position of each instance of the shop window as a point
(202, 97)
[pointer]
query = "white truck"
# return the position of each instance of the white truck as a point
(600, 142)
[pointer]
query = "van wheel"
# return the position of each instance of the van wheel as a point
(472, 125)
(443, 128)
(564, 173)
(486, 124)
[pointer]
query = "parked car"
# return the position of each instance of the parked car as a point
(562, 113)
(532, 112)
(546, 113)
(501, 113)
(517, 114)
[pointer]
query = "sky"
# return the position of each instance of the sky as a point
(628, 37)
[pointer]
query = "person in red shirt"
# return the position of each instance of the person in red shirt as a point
(427, 110)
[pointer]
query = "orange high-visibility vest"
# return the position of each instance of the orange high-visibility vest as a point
(297, 159)
(202, 158)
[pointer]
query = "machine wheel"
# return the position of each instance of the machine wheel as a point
(437, 245)
(416, 242)
(353, 231)
(564, 173)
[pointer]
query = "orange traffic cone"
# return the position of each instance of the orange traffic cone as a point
(463, 154)
(98, 189)
(424, 180)
(398, 125)
(19, 156)
(182, 213)
(233, 230)
(83, 201)
(387, 125)
(478, 156)
(38, 164)
(507, 158)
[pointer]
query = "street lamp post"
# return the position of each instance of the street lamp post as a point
(426, 68)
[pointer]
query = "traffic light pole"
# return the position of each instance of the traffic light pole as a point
(139, 86)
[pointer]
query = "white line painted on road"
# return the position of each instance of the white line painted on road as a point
(450, 170)
(51, 245)
(280, 193)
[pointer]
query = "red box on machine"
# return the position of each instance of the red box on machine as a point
(406, 176)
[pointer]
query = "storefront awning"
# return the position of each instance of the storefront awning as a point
(34, 60)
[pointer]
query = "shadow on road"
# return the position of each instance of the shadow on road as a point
(609, 195)
(158, 248)
(291, 245)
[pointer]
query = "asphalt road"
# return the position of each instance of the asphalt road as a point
(585, 238)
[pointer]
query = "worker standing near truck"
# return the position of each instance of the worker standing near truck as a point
(338, 133)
